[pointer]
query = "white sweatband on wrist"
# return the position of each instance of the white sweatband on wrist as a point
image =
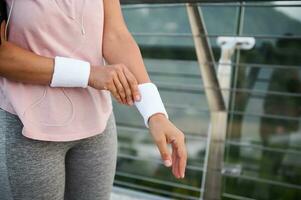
(150, 101)
(70, 72)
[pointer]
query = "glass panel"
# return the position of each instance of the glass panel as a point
(284, 133)
(174, 72)
(272, 161)
(137, 150)
(264, 135)
(163, 41)
(157, 19)
(220, 20)
(256, 190)
(270, 91)
(272, 21)
(263, 143)
(172, 66)
(279, 51)
(188, 120)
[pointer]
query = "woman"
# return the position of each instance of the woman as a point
(56, 121)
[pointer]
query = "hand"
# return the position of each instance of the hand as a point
(118, 80)
(163, 133)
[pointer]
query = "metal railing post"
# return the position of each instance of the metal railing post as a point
(212, 177)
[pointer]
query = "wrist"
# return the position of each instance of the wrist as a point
(151, 103)
(70, 72)
(157, 116)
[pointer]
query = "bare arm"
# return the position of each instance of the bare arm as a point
(120, 47)
(21, 65)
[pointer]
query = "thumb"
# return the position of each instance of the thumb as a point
(164, 151)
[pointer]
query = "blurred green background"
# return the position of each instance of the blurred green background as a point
(263, 146)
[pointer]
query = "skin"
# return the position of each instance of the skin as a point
(121, 77)
(117, 42)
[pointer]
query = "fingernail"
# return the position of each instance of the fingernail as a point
(130, 102)
(183, 175)
(167, 163)
(137, 97)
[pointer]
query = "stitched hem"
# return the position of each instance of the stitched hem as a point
(7, 109)
(66, 137)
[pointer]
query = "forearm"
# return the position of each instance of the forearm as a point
(22, 65)
(122, 48)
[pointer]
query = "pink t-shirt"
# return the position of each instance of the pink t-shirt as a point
(54, 28)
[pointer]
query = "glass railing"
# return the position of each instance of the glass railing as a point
(263, 139)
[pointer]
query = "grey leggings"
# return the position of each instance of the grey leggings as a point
(44, 170)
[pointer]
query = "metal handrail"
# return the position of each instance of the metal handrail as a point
(153, 180)
(158, 191)
(229, 142)
(188, 35)
(246, 177)
(189, 167)
(236, 197)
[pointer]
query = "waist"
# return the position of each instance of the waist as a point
(31, 100)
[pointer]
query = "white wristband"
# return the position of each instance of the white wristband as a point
(150, 101)
(69, 72)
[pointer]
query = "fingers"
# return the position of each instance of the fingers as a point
(111, 86)
(174, 163)
(120, 90)
(182, 162)
(165, 154)
(127, 85)
(164, 134)
(133, 85)
(180, 159)
(179, 156)
(126, 91)
(118, 80)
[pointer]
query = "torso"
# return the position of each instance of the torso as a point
(53, 28)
